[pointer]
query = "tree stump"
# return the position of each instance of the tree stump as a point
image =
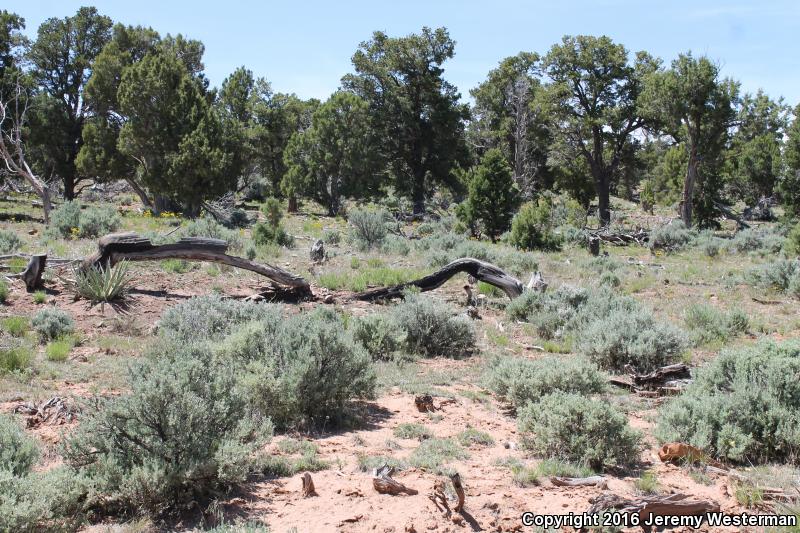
(317, 254)
(424, 403)
(594, 246)
(383, 482)
(459, 488)
(308, 485)
(32, 275)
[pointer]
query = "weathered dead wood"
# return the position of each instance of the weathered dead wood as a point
(645, 507)
(638, 236)
(662, 375)
(32, 275)
(439, 498)
(665, 381)
(117, 247)
(308, 485)
(383, 482)
(480, 270)
(455, 479)
(424, 403)
(594, 245)
(740, 224)
(53, 412)
(592, 481)
(537, 282)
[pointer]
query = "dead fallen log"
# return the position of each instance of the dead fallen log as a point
(480, 270)
(638, 236)
(383, 482)
(665, 381)
(660, 376)
(647, 506)
(591, 481)
(116, 247)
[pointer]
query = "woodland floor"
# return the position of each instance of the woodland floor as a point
(112, 336)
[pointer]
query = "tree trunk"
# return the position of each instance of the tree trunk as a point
(140, 192)
(603, 200)
(688, 188)
(69, 187)
(418, 192)
(292, 208)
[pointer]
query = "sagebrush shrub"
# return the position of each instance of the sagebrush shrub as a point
(710, 244)
(756, 240)
(612, 330)
(792, 244)
(18, 452)
(707, 324)
(3, 291)
(780, 274)
(743, 406)
(97, 221)
(368, 227)
(183, 431)
(302, 370)
(52, 323)
(521, 380)
(9, 241)
(671, 237)
(209, 318)
(431, 329)
(332, 236)
(379, 335)
(578, 429)
(15, 357)
(532, 227)
(64, 218)
(208, 227)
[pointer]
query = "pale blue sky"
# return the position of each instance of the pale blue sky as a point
(305, 46)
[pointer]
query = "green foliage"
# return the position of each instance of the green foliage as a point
(264, 233)
(103, 284)
(332, 236)
(431, 329)
(792, 245)
(492, 195)
(9, 241)
(647, 483)
(182, 432)
(432, 454)
(473, 437)
(39, 297)
(612, 330)
(532, 227)
(52, 324)
(781, 274)
(210, 228)
(18, 452)
(742, 406)
(789, 186)
(368, 227)
(605, 439)
(16, 326)
(670, 238)
(707, 324)
(15, 358)
(409, 430)
(58, 350)
(3, 291)
(73, 219)
(520, 380)
(401, 80)
(272, 210)
(378, 334)
(366, 277)
(176, 266)
(761, 240)
(209, 318)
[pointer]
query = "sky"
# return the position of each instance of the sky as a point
(305, 46)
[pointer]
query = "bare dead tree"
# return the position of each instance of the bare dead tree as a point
(13, 115)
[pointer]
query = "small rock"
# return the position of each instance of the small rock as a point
(410, 528)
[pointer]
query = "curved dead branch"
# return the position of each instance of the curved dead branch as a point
(480, 270)
(117, 247)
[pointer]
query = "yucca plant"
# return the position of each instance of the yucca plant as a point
(103, 284)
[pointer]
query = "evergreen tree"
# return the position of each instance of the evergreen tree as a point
(493, 196)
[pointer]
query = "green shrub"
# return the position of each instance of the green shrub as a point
(209, 318)
(39, 297)
(3, 291)
(64, 218)
(58, 350)
(265, 233)
(210, 228)
(521, 380)
(710, 244)
(176, 266)
(742, 406)
(412, 431)
(182, 432)
(15, 358)
(332, 236)
(756, 240)
(578, 429)
(781, 275)
(273, 211)
(237, 218)
(396, 245)
(431, 329)
(379, 335)
(102, 284)
(52, 323)
(473, 437)
(707, 324)
(18, 452)
(97, 221)
(532, 227)
(368, 227)
(612, 330)
(9, 242)
(792, 244)
(16, 326)
(432, 454)
(302, 370)
(672, 237)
